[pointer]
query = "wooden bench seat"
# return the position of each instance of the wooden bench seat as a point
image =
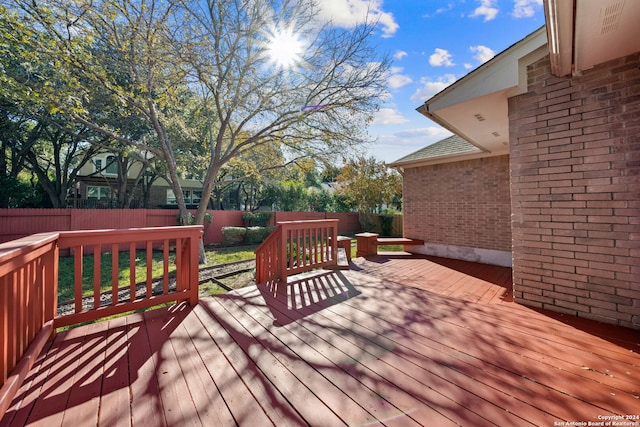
(380, 241)
(368, 243)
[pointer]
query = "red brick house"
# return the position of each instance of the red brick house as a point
(548, 171)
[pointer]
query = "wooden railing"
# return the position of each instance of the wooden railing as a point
(29, 287)
(295, 247)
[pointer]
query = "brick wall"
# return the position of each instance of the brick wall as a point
(575, 168)
(464, 204)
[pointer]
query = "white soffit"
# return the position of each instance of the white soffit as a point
(605, 30)
(498, 74)
(475, 107)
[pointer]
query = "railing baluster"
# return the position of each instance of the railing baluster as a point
(97, 279)
(178, 263)
(77, 278)
(165, 266)
(149, 282)
(132, 271)
(115, 273)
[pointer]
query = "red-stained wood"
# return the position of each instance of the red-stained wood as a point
(210, 406)
(60, 366)
(231, 370)
(413, 341)
(177, 404)
(295, 247)
(114, 404)
(83, 405)
(146, 403)
(290, 372)
(29, 285)
(96, 276)
(77, 278)
(132, 271)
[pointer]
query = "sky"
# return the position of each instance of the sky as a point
(433, 43)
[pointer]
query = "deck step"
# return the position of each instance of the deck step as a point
(398, 241)
(343, 262)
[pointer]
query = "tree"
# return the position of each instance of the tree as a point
(314, 101)
(209, 78)
(368, 184)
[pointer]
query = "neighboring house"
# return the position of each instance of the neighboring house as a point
(98, 185)
(547, 152)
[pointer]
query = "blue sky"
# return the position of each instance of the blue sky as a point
(433, 44)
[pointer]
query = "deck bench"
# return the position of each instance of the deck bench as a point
(344, 242)
(368, 243)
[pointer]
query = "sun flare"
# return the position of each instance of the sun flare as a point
(285, 48)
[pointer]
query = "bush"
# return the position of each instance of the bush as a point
(245, 235)
(233, 235)
(256, 219)
(386, 221)
(255, 235)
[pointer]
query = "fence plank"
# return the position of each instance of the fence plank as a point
(18, 223)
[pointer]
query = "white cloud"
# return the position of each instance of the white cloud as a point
(349, 13)
(430, 133)
(467, 66)
(442, 9)
(399, 55)
(388, 116)
(487, 9)
(482, 53)
(445, 9)
(393, 146)
(525, 8)
(430, 87)
(396, 79)
(441, 57)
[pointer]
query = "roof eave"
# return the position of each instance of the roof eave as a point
(438, 160)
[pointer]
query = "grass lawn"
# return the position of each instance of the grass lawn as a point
(215, 256)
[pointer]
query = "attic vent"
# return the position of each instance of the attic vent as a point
(611, 17)
(479, 117)
(496, 134)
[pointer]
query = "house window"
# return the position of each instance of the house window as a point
(191, 197)
(98, 193)
(112, 165)
(171, 198)
(98, 164)
(196, 196)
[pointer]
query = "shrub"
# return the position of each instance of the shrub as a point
(256, 219)
(386, 222)
(233, 235)
(256, 235)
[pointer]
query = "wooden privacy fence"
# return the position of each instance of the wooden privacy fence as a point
(295, 247)
(29, 287)
(17, 223)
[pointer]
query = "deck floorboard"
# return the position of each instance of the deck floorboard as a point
(395, 341)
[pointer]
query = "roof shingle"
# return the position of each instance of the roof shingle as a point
(453, 145)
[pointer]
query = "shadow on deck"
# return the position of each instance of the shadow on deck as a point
(356, 347)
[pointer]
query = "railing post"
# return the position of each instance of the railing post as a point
(367, 244)
(282, 265)
(194, 261)
(334, 242)
(51, 284)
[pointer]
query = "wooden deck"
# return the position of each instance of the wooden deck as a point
(395, 342)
